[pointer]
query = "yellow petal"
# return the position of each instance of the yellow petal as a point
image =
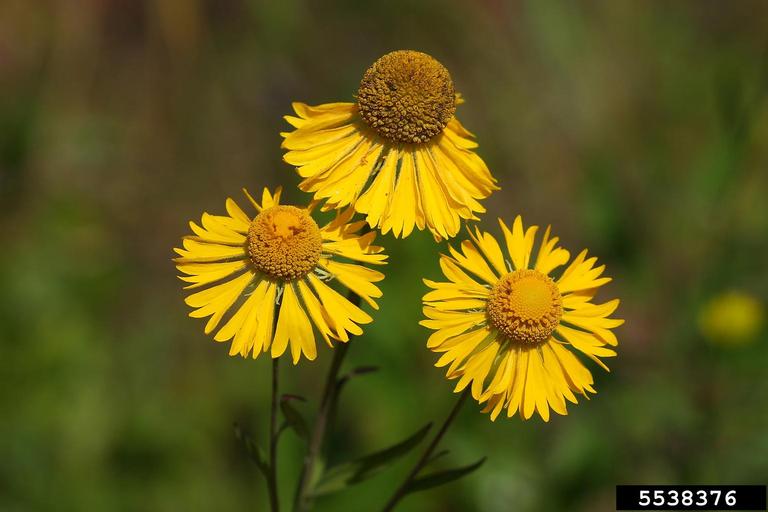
(221, 236)
(596, 310)
(237, 213)
(375, 201)
(581, 274)
(555, 372)
(215, 301)
(578, 376)
(459, 189)
(225, 225)
(316, 311)
(306, 140)
(285, 320)
(440, 219)
(550, 257)
(321, 161)
(467, 162)
(519, 384)
(452, 291)
(357, 278)
(245, 337)
(600, 327)
(322, 116)
(491, 250)
(405, 208)
(471, 259)
(233, 326)
(519, 242)
(201, 274)
(195, 251)
(266, 322)
(453, 272)
(450, 337)
(342, 314)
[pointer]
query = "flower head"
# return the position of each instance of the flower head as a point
(407, 97)
(270, 274)
(398, 155)
(511, 325)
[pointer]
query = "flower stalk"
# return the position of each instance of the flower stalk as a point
(274, 502)
(330, 392)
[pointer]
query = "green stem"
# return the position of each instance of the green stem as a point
(274, 503)
(401, 491)
(302, 499)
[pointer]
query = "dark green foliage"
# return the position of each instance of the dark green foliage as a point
(341, 476)
(438, 478)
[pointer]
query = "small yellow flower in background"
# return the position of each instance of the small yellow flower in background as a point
(732, 318)
(277, 266)
(398, 155)
(509, 328)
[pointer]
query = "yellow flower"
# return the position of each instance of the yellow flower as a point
(398, 155)
(276, 266)
(510, 327)
(733, 317)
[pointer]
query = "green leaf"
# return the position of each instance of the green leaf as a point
(254, 451)
(441, 477)
(345, 474)
(356, 372)
(362, 370)
(317, 472)
(293, 417)
(435, 456)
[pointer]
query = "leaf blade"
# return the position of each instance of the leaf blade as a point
(254, 451)
(294, 419)
(439, 478)
(353, 472)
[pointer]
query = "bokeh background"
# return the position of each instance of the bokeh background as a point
(638, 129)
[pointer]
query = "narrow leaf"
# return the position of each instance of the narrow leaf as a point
(253, 450)
(293, 417)
(434, 457)
(349, 473)
(441, 477)
(356, 372)
(362, 370)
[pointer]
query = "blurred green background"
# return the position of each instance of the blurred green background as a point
(638, 129)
